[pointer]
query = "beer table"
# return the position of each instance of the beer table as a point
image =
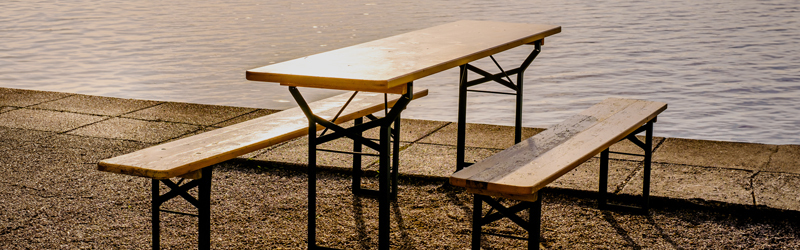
(391, 65)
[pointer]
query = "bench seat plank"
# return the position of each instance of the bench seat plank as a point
(186, 155)
(531, 164)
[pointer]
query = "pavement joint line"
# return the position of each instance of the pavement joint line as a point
(137, 110)
(242, 115)
(657, 146)
(631, 175)
(709, 167)
(65, 111)
(430, 133)
(85, 125)
(66, 96)
(769, 159)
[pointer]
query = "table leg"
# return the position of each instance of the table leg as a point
(312, 183)
(384, 147)
(465, 84)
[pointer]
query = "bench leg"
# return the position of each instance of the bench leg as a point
(532, 225)
(535, 226)
(647, 147)
(477, 216)
(156, 212)
(603, 196)
(202, 203)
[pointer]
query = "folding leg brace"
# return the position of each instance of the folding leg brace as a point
(517, 88)
(499, 211)
(647, 147)
(384, 147)
(202, 203)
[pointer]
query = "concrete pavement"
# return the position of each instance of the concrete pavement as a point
(52, 141)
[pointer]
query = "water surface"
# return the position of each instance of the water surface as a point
(730, 70)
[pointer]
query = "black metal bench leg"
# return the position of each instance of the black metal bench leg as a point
(204, 210)
(202, 203)
(603, 192)
(477, 221)
(532, 225)
(156, 215)
(535, 223)
(647, 147)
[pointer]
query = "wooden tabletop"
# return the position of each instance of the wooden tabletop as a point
(386, 65)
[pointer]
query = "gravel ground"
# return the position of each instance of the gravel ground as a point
(53, 198)
(263, 206)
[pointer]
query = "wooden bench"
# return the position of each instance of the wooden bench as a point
(192, 157)
(519, 172)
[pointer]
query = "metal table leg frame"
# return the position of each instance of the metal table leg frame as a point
(532, 225)
(464, 84)
(202, 203)
(647, 147)
(357, 153)
(354, 133)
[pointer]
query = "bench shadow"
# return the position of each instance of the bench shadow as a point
(609, 218)
(358, 215)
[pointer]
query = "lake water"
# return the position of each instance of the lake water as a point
(729, 69)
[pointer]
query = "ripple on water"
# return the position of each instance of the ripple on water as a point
(729, 70)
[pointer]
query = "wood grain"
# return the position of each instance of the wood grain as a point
(387, 64)
(186, 155)
(530, 165)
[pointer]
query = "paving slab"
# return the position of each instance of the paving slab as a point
(777, 190)
(197, 114)
(52, 196)
(16, 136)
(586, 177)
(136, 130)
(720, 154)
(692, 182)
(411, 130)
(24, 98)
(480, 135)
(628, 147)
(245, 117)
(785, 160)
(46, 120)
(296, 152)
(96, 105)
(422, 159)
